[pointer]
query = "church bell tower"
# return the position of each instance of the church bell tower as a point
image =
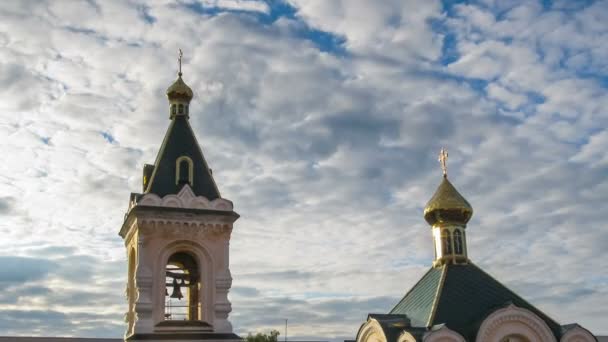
(177, 233)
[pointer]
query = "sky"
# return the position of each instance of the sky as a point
(322, 121)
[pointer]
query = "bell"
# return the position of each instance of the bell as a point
(177, 292)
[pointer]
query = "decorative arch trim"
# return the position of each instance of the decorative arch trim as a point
(371, 331)
(406, 337)
(178, 163)
(443, 334)
(578, 334)
(205, 263)
(517, 321)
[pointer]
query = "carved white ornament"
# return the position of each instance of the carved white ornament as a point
(184, 199)
(513, 320)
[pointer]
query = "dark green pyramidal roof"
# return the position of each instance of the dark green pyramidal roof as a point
(461, 297)
(180, 142)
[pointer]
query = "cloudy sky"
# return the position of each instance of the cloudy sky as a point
(322, 121)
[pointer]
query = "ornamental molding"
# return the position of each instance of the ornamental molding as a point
(184, 199)
(371, 331)
(223, 283)
(513, 320)
(154, 227)
(443, 334)
(578, 334)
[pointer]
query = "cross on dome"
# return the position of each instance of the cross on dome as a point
(443, 159)
(179, 61)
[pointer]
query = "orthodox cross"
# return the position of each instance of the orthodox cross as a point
(443, 159)
(179, 61)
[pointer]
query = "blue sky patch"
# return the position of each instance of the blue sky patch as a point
(108, 137)
(323, 40)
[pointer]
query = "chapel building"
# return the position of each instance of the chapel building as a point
(455, 300)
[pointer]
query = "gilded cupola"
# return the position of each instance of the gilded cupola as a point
(447, 205)
(179, 91)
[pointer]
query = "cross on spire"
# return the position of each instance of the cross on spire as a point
(443, 159)
(179, 61)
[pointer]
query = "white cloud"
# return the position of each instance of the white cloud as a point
(502, 94)
(594, 152)
(244, 5)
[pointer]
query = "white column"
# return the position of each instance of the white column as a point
(223, 282)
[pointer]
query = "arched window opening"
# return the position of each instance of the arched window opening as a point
(184, 175)
(180, 109)
(184, 171)
(182, 288)
(446, 242)
(458, 247)
(173, 109)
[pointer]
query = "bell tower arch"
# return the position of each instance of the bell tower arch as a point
(177, 236)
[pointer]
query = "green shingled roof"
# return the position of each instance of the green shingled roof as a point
(180, 141)
(418, 302)
(460, 296)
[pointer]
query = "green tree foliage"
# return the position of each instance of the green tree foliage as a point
(260, 337)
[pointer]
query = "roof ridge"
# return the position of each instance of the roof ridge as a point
(438, 293)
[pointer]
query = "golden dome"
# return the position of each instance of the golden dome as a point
(179, 90)
(447, 206)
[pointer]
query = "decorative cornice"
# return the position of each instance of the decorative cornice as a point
(184, 229)
(183, 209)
(184, 199)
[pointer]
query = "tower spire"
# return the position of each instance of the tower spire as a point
(180, 160)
